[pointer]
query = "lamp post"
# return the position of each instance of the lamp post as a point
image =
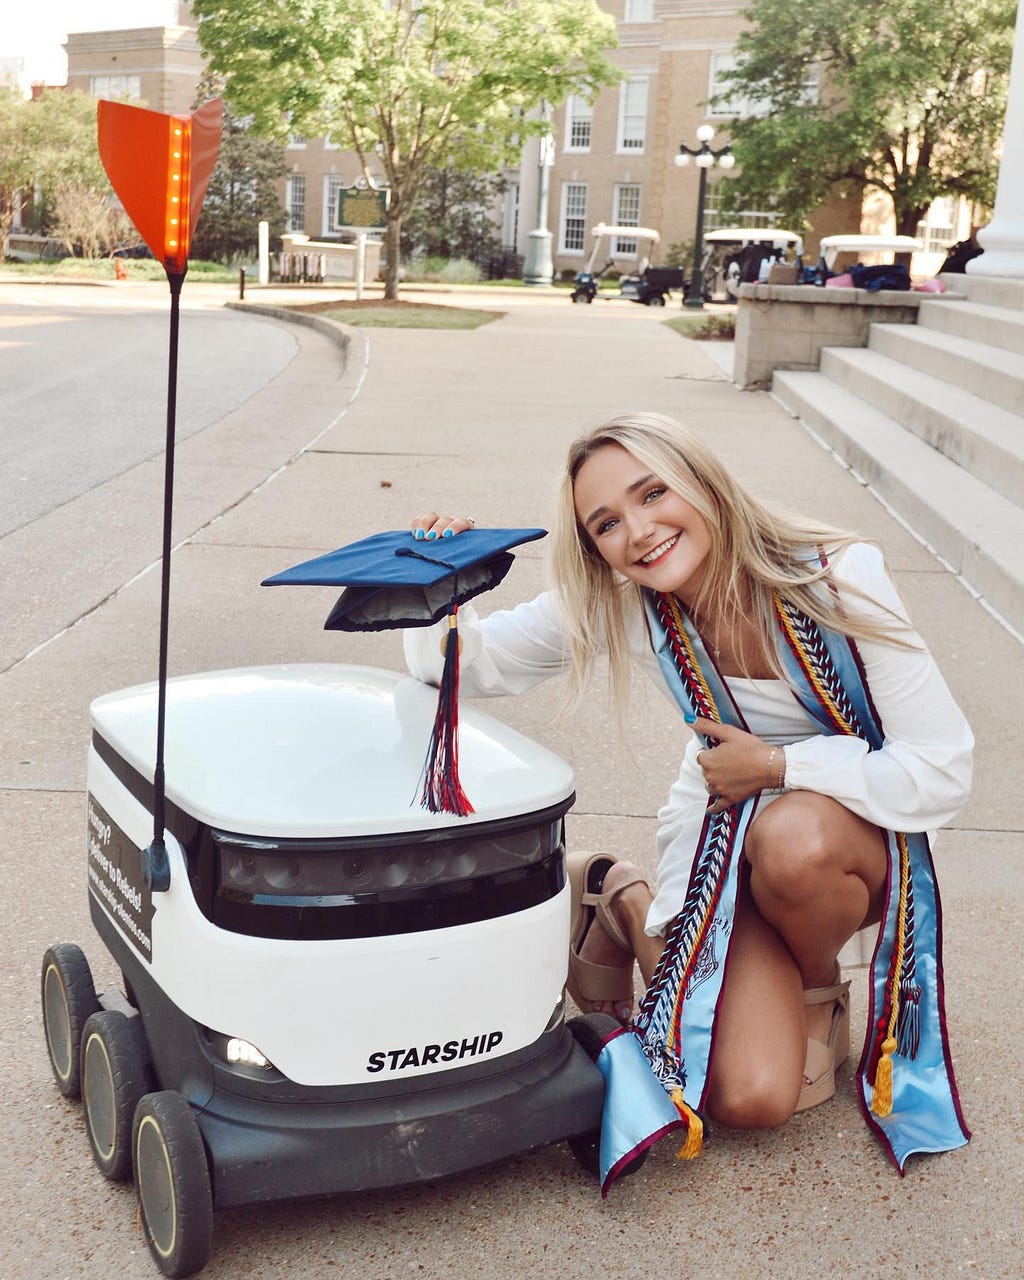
(538, 267)
(704, 157)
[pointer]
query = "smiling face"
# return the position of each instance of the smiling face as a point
(640, 527)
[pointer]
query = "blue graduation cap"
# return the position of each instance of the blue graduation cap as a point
(397, 580)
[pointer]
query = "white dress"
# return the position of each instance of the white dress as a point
(917, 781)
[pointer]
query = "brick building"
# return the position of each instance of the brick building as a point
(612, 161)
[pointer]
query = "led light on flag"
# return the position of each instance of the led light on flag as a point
(160, 167)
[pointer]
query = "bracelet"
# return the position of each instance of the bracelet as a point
(776, 769)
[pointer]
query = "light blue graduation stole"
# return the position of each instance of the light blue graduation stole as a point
(656, 1074)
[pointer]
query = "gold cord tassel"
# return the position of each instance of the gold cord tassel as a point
(881, 1098)
(694, 1128)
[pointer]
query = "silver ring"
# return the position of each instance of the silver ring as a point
(470, 521)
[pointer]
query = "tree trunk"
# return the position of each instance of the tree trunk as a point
(392, 240)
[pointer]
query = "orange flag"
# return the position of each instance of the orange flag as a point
(160, 167)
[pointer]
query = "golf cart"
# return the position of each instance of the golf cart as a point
(649, 285)
(338, 990)
(833, 246)
(733, 256)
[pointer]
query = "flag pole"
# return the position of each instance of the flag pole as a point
(157, 869)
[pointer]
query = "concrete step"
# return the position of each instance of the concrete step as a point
(994, 326)
(982, 438)
(972, 526)
(989, 373)
(990, 291)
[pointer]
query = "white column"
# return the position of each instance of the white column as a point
(1003, 238)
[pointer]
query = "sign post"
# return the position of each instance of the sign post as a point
(362, 209)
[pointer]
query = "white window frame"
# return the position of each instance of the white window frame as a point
(625, 213)
(573, 208)
(639, 11)
(510, 219)
(116, 87)
(333, 183)
(579, 118)
(722, 62)
(296, 185)
(296, 142)
(633, 97)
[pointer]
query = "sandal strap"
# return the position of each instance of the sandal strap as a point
(825, 995)
(599, 983)
(602, 904)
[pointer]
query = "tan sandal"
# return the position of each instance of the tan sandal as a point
(825, 1057)
(592, 984)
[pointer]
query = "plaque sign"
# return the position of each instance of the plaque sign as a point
(362, 209)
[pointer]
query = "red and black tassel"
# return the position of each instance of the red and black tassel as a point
(442, 790)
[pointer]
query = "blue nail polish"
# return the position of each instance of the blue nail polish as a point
(431, 535)
(448, 533)
(689, 717)
(419, 534)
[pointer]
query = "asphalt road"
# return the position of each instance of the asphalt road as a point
(83, 385)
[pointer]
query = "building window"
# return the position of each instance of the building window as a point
(295, 199)
(639, 11)
(716, 214)
(330, 144)
(296, 142)
(626, 214)
(579, 115)
(510, 221)
(332, 185)
(725, 102)
(632, 114)
(116, 87)
(574, 217)
(938, 229)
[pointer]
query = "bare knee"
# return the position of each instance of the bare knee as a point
(753, 1101)
(788, 848)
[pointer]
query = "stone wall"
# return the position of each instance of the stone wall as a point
(786, 326)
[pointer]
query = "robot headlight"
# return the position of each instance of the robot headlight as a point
(296, 870)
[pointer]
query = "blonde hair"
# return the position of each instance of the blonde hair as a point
(754, 552)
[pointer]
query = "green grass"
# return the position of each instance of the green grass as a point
(703, 326)
(103, 269)
(409, 315)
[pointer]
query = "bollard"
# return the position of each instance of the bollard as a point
(241, 284)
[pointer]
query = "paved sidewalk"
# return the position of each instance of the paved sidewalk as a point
(478, 422)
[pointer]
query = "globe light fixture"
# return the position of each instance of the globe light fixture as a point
(705, 157)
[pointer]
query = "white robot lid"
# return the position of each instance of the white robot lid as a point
(320, 751)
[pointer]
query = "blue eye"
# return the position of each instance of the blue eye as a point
(652, 495)
(605, 525)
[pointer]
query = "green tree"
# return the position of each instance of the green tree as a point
(411, 85)
(49, 145)
(242, 191)
(453, 216)
(910, 101)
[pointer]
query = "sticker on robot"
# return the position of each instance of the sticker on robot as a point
(115, 879)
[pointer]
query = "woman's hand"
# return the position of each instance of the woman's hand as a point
(736, 768)
(432, 525)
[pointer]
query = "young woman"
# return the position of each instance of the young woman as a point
(822, 731)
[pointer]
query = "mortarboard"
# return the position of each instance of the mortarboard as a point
(397, 580)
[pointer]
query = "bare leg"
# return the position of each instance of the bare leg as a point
(760, 1036)
(818, 874)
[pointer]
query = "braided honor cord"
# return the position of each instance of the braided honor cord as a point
(898, 1024)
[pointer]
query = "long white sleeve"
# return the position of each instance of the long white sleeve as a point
(507, 652)
(921, 776)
